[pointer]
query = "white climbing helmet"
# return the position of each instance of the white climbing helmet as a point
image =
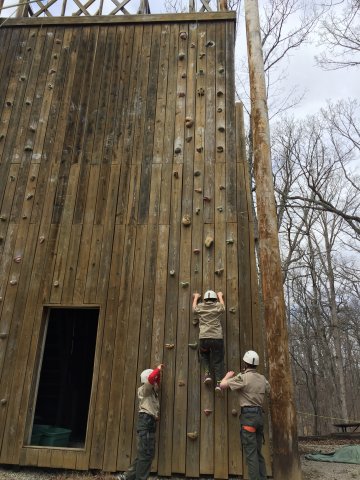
(210, 295)
(251, 357)
(145, 375)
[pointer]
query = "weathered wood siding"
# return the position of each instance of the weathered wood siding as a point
(109, 134)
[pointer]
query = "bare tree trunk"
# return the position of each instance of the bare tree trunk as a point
(284, 425)
(335, 327)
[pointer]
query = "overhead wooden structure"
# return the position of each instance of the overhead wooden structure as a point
(112, 128)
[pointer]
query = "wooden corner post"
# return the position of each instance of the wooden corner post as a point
(286, 462)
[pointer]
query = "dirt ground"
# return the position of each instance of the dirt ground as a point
(311, 470)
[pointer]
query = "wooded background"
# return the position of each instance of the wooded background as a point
(111, 131)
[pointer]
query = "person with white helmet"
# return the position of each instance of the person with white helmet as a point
(211, 339)
(251, 387)
(148, 416)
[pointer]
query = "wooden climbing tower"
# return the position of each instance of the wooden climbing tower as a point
(113, 127)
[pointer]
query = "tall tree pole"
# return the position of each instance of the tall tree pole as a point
(286, 462)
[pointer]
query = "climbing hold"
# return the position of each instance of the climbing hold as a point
(221, 70)
(193, 435)
(232, 309)
(209, 241)
(50, 86)
(8, 103)
(28, 101)
(207, 411)
(219, 110)
(195, 321)
(51, 71)
(41, 239)
(181, 94)
(57, 41)
(3, 401)
(196, 251)
(183, 75)
(193, 345)
(177, 150)
(29, 49)
(202, 55)
(189, 122)
(3, 335)
(169, 346)
(201, 92)
(181, 56)
(197, 173)
(56, 283)
(210, 43)
(206, 199)
(13, 281)
(3, 218)
(221, 129)
(219, 271)
(220, 208)
(220, 149)
(184, 284)
(222, 187)
(198, 190)
(199, 149)
(2, 136)
(12, 178)
(186, 220)
(32, 128)
(200, 73)
(234, 412)
(55, 55)
(32, 178)
(219, 93)
(183, 35)
(197, 211)
(28, 148)
(181, 383)
(172, 272)
(188, 139)
(24, 217)
(192, 45)
(17, 259)
(196, 269)
(22, 78)
(176, 174)
(230, 241)
(29, 196)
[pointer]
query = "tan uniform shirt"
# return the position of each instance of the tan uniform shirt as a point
(210, 319)
(251, 387)
(149, 400)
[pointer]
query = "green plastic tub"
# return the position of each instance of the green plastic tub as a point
(37, 433)
(55, 437)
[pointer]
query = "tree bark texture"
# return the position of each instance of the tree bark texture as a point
(284, 425)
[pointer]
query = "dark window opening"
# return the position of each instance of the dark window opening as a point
(63, 396)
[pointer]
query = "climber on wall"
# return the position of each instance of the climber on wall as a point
(211, 341)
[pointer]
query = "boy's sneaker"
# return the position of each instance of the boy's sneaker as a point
(120, 476)
(207, 379)
(218, 390)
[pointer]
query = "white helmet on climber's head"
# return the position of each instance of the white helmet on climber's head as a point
(251, 358)
(145, 375)
(210, 295)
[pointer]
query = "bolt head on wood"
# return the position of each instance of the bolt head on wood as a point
(189, 122)
(183, 35)
(193, 435)
(172, 272)
(169, 346)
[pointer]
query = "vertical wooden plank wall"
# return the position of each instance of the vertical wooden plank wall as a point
(109, 135)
